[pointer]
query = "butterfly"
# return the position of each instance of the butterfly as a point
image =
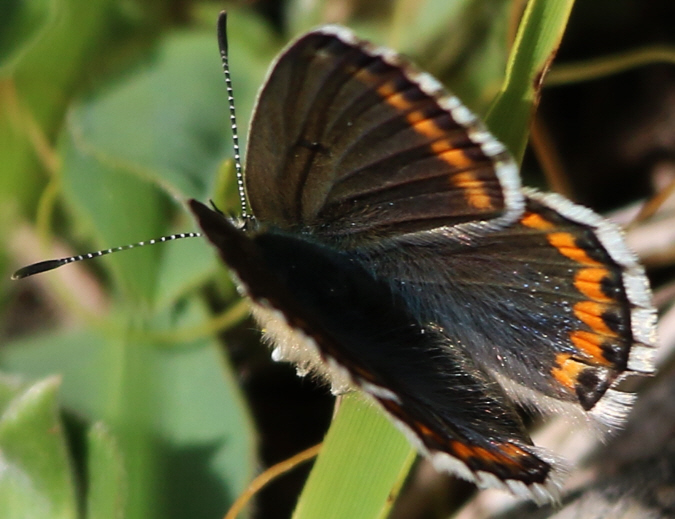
(392, 249)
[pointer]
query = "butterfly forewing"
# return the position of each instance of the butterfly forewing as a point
(350, 141)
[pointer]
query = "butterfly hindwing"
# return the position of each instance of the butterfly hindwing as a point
(554, 306)
(359, 333)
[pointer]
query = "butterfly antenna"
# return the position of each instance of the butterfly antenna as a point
(44, 266)
(222, 43)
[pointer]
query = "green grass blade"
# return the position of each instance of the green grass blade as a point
(597, 68)
(361, 467)
(107, 495)
(539, 35)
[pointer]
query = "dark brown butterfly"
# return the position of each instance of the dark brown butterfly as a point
(392, 249)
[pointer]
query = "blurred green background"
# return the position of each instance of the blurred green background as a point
(134, 386)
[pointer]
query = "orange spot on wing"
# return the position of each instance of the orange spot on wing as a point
(455, 157)
(442, 146)
(567, 370)
(416, 117)
(588, 281)
(589, 344)
(590, 313)
(486, 455)
(425, 431)
(385, 90)
(392, 96)
(566, 245)
(513, 451)
(428, 128)
(536, 221)
(503, 453)
(463, 452)
(364, 75)
(474, 190)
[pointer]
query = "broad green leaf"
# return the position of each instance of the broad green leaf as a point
(175, 412)
(118, 208)
(156, 131)
(33, 100)
(183, 266)
(159, 123)
(36, 478)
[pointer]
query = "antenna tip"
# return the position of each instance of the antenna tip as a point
(222, 31)
(36, 268)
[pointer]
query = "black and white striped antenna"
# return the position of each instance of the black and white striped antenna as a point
(44, 266)
(222, 44)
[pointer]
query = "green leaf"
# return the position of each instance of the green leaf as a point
(361, 467)
(21, 24)
(36, 478)
(157, 131)
(64, 54)
(596, 68)
(159, 123)
(118, 208)
(154, 132)
(539, 35)
(107, 491)
(162, 125)
(182, 267)
(176, 413)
